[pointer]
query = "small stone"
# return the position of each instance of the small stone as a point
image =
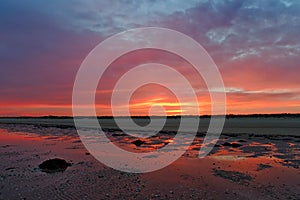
(138, 142)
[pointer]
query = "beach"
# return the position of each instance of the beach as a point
(253, 159)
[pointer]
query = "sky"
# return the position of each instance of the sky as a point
(255, 44)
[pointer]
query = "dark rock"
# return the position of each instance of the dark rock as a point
(232, 144)
(54, 165)
(138, 142)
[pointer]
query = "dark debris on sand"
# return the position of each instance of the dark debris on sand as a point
(233, 176)
(232, 144)
(262, 167)
(54, 165)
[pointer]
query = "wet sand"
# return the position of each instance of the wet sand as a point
(241, 166)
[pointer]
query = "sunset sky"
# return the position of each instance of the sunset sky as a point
(255, 44)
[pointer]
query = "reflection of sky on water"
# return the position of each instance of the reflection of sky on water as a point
(239, 148)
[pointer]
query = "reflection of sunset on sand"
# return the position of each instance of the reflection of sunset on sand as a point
(240, 165)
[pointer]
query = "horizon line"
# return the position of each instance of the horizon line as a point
(168, 116)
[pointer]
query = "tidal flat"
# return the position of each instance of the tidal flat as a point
(261, 161)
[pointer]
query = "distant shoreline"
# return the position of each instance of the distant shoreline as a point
(276, 115)
(258, 124)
